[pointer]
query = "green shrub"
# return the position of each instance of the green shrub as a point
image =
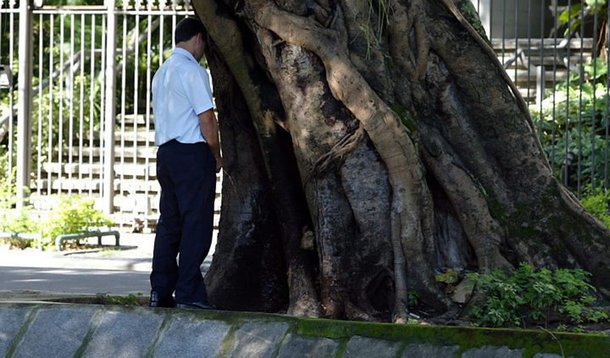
(571, 123)
(7, 186)
(18, 222)
(74, 215)
(527, 297)
(598, 205)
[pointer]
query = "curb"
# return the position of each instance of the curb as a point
(59, 330)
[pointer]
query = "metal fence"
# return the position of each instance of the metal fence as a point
(88, 122)
(556, 51)
(79, 120)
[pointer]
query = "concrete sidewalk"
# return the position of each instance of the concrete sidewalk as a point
(30, 274)
(134, 254)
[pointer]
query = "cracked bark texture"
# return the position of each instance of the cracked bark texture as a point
(369, 145)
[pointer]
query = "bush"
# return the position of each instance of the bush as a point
(74, 215)
(598, 205)
(18, 222)
(528, 297)
(572, 124)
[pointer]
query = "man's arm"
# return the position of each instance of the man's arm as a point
(209, 130)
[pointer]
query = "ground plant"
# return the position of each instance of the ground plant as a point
(18, 221)
(598, 205)
(531, 298)
(74, 215)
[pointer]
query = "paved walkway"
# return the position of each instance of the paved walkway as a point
(134, 254)
(32, 274)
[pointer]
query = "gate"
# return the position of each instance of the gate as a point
(89, 123)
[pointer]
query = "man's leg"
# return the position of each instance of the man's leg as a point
(196, 200)
(167, 240)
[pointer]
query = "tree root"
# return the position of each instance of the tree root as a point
(343, 147)
(482, 230)
(385, 130)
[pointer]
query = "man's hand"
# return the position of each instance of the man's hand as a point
(218, 164)
(209, 130)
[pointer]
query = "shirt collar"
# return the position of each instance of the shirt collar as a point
(185, 53)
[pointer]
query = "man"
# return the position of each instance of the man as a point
(188, 159)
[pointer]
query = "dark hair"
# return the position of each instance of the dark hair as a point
(187, 28)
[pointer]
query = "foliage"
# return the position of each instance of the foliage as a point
(449, 277)
(412, 298)
(598, 205)
(470, 13)
(129, 300)
(18, 222)
(573, 123)
(529, 296)
(579, 12)
(7, 186)
(15, 221)
(74, 215)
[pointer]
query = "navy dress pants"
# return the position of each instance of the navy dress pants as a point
(187, 176)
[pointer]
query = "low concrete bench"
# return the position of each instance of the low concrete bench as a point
(84, 235)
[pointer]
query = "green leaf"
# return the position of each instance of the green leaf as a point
(570, 13)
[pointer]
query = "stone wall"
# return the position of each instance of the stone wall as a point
(65, 330)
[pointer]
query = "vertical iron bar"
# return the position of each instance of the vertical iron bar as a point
(70, 91)
(40, 102)
(606, 111)
(594, 115)
(529, 50)
(504, 32)
(102, 131)
(554, 110)
(581, 83)
(92, 116)
(136, 93)
(124, 60)
(516, 32)
(148, 100)
(541, 76)
(567, 159)
(24, 116)
(61, 104)
(50, 118)
(11, 130)
(81, 112)
(110, 78)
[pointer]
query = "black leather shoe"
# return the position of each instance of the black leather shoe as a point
(156, 301)
(194, 306)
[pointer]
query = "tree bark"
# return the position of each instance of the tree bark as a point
(369, 145)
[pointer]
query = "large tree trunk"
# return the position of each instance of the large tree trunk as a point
(368, 145)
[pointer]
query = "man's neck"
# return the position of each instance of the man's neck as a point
(187, 47)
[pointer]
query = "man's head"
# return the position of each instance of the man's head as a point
(190, 35)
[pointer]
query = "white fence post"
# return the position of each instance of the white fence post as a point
(110, 78)
(24, 104)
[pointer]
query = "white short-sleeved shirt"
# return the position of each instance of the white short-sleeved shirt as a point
(181, 91)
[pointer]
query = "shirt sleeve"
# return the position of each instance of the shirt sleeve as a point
(197, 86)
